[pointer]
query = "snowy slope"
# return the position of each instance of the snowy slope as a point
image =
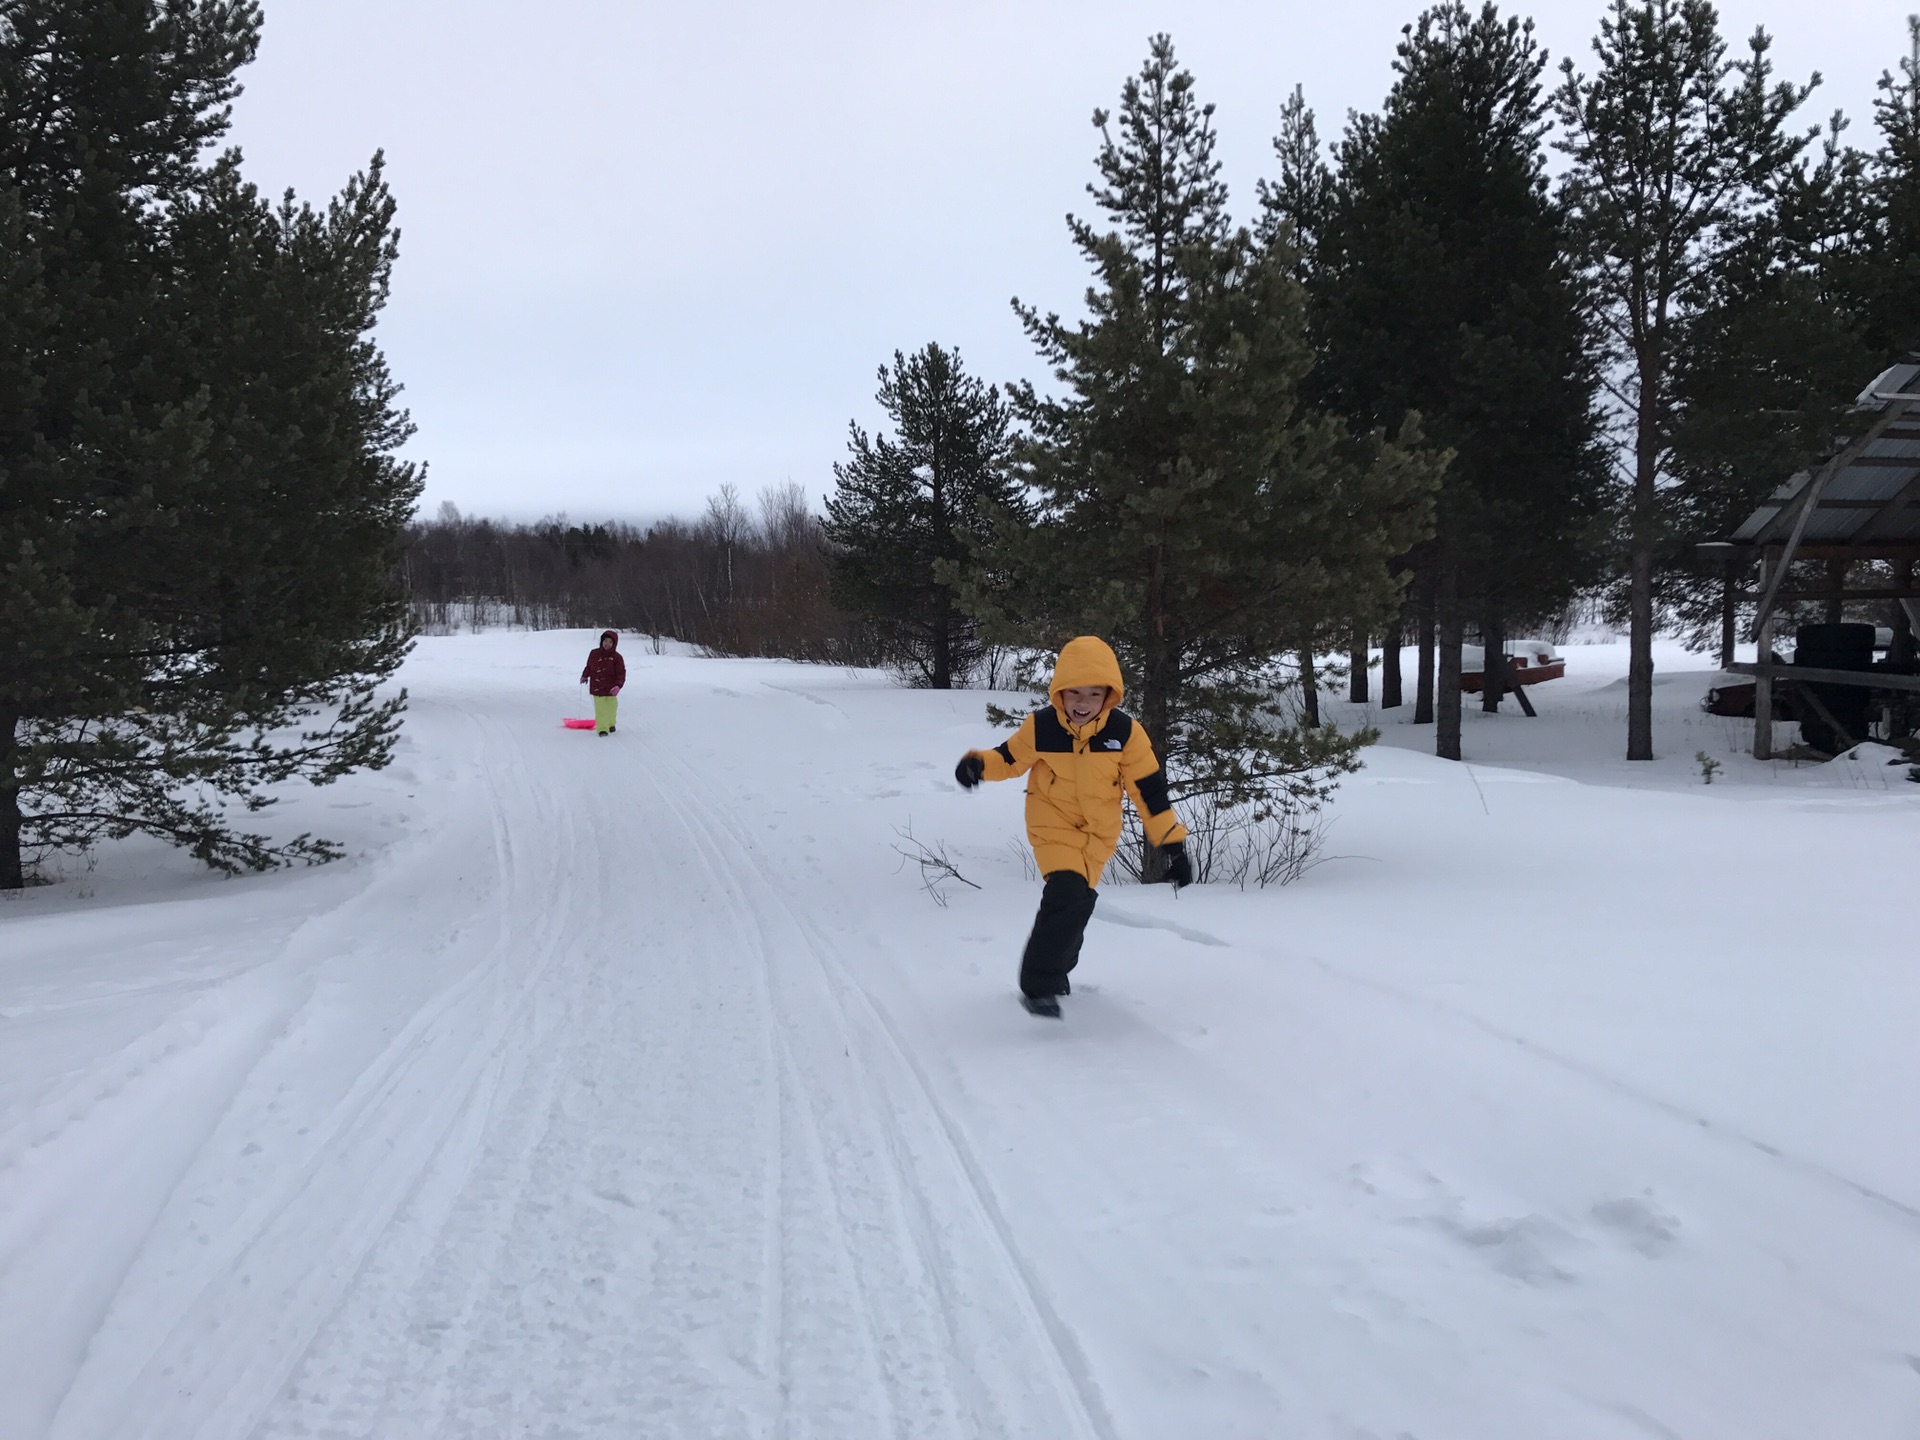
(631, 1087)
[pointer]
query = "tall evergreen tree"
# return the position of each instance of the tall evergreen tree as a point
(1889, 280)
(200, 509)
(1672, 146)
(1188, 508)
(1297, 203)
(1774, 348)
(905, 506)
(1441, 290)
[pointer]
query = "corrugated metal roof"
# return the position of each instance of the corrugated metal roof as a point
(1895, 382)
(1875, 496)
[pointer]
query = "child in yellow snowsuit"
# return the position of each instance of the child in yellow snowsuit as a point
(1078, 754)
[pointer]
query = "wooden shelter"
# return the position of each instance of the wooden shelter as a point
(1863, 503)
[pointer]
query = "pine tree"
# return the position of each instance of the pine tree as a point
(1671, 146)
(1296, 205)
(905, 506)
(1188, 508)
(1774, 350)
(1889, 277)
(1441, 290)
(200, 510)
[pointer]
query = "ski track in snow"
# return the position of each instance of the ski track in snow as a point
(596, 1106)
(891, 1070)
(615, 1174)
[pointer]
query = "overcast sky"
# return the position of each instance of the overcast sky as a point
(650, 248)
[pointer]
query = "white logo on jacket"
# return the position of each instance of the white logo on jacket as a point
(1111, 745)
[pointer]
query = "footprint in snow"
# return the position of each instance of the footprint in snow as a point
(1527, 1248)
(1641, 1222)
(1135, 921)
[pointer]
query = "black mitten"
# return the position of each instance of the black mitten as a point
(970, 771)
(1179, 868)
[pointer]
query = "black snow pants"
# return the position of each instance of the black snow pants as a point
(1066, 904)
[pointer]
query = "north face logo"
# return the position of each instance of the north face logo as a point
(1110, 744)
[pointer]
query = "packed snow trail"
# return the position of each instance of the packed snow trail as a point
(636, 1168)
(630, 1091)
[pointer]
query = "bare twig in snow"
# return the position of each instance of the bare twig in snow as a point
(935, 868)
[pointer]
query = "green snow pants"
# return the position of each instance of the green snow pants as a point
(605, 707)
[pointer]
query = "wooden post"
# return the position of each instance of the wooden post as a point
(1763, 684)
(1906, 621)
(1901, 655)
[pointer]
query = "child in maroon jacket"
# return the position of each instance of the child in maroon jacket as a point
(606, 672)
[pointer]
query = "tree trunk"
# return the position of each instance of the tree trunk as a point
(1160, 676)
(1900, 655)
(1390, 697)
(1836, 586)
(1357, 668)
(1493, 665)
(1729, 615)
(942, 596)
(1423, 624)
(1309, 688)
(942, 677)
(1640, 582)
(1446, 736)
(12, 867)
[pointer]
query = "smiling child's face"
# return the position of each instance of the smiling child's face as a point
(1083, 702)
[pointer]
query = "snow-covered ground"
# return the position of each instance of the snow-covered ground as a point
(631, 1087)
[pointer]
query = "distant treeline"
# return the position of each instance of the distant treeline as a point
(737, 581)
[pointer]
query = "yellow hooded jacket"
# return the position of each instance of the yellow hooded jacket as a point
(1075, 774)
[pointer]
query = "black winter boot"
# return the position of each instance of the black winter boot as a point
(1044, 1006)
(1066, 904)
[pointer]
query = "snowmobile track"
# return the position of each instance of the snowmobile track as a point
(392, 1123)
(776, 917)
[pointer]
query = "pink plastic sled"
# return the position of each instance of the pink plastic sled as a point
(578, 724)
